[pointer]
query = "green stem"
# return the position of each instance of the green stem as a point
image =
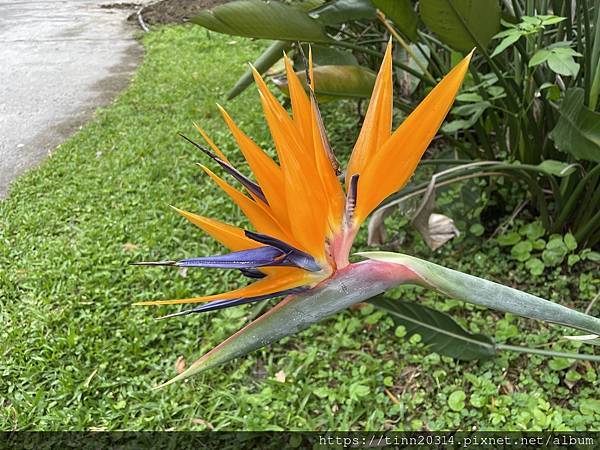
(536, 351)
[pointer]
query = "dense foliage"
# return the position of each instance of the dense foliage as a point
(528, 113)
(76, 355)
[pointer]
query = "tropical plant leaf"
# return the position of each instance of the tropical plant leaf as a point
(269, 57)
(556, 168)
(324, 55)
(578, 129)
(336, 82)
(437, 329)
(339, 11)
(595, 62)
(402, 13)
(257, 19)
(455, 20)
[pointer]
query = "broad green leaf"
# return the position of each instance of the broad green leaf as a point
(257, 19)
(455, 20)
(471, 108)
(339, 11)
(264, 62)
(557, 168)
(505, 43)
(437, 329)
(402, 13)
(456, 400)
(336, 82)
(469, 97)
(550, 20)
(562, 50)
(555, 252)
(535, 266)
(522, 251)
(578, 129)
(324, 55)
(570, 241)
(489, 294)
(539, 57)
(562, 64)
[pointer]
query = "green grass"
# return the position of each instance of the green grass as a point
(77, 356)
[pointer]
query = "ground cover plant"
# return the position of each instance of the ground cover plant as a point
(76, 355)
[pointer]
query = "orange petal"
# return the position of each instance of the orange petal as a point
(258, 215)
(377, 126)
(306, 204)
(212, 145)
(300, 102)
(396, 161)
(267, 172)
(267, 285)
(332, 189)
(231, 237)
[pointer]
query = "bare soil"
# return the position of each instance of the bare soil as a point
(175, 11)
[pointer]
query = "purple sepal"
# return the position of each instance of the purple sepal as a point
(266, 256)
(253, 273)
(297, 257)
(222, 304)
(256, 257)
(245, 181)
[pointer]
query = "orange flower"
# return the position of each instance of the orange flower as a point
(304, 220)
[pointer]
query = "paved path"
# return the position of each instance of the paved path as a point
(59, 61)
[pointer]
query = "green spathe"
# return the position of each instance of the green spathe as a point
(487, 293)
(362, 281)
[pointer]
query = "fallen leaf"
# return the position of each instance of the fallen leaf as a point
(203, 422)
(89, 379)
(180, 365)
(128, 246)
(280, 376)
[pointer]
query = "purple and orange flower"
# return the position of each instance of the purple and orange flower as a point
(304, 220)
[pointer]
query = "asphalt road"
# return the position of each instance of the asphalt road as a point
(59, 61)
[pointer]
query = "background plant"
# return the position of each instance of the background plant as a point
(529, 106)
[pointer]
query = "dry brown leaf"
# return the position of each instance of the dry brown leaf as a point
(180, 365)
(280, 376)
(206, 423)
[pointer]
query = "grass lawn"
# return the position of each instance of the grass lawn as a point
(77, 356)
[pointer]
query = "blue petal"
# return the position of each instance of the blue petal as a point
(296, 257)
(256, 257)
(266, 256)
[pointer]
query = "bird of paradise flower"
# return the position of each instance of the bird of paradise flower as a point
(305, 222)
